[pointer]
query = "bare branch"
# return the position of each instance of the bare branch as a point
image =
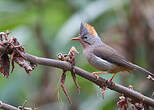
(134, 95)
(7, 106)
(10, 107)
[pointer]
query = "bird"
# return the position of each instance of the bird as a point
(103, 57)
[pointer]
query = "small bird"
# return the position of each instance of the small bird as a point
(102, 56)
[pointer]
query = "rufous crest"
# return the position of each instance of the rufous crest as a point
(91, 29)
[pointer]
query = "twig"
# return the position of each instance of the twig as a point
(7, 106)
(10, 107)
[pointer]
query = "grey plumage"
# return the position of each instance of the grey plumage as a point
(111, 55)
(102, 56)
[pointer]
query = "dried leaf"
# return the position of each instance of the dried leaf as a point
(139, 106)
(5, 65)
(75, 81)
(122, 103)
(14, 49)
(12, 61)
(103, 91)
(150, 78)
(23, 63)
(62, 81)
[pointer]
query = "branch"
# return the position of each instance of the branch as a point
(134, 95)
(10, 107)
(7, 106)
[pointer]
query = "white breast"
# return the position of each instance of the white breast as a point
(100, 63)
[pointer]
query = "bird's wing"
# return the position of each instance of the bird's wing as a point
(108, 53)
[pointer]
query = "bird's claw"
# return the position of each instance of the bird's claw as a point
(112, 83)
(95, 74)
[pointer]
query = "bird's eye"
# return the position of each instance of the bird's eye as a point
(85, 37)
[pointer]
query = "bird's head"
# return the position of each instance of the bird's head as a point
(88, 36)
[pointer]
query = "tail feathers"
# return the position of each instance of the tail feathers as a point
(142, 69)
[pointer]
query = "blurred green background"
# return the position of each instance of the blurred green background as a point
(45, 28)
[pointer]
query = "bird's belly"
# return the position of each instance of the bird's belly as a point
(101, 64)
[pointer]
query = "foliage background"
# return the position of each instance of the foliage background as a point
(45, 28)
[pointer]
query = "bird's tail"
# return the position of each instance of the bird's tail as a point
(142, 69)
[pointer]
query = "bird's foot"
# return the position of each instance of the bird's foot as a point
(112, 83)
(110, 80)
(95, 74)
(98, 72)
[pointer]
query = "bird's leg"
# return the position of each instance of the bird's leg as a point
(62, 81)
(112, 77)
(95, 73)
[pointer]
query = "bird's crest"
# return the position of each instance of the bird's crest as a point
(91, 29)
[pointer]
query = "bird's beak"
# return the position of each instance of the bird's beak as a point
(76, 38)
